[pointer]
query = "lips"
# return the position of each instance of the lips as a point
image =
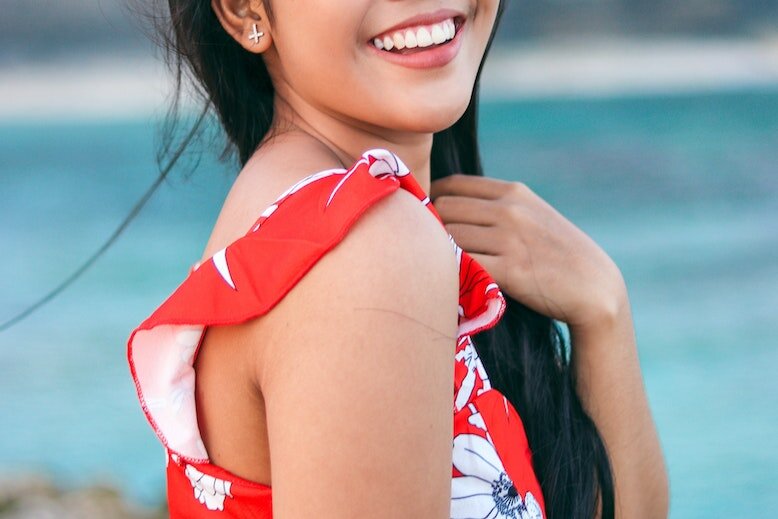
(423, 19)
(429, 57)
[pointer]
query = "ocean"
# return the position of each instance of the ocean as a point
(680, 190)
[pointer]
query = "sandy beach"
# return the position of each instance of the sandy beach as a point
(607, 67)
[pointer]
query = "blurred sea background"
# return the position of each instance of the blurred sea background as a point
(653, 126)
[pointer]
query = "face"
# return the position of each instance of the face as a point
(320, 52)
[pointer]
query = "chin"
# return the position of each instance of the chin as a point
(421, 124)
(431, 118)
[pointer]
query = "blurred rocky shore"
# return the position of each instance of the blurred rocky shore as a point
(32, 496)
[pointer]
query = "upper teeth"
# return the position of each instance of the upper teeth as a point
(422, 36)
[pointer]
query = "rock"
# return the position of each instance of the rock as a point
(35, 496)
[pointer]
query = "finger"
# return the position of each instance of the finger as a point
(476, 238)
(465, 209)
(468, 185)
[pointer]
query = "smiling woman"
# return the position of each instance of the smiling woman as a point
(321, 331)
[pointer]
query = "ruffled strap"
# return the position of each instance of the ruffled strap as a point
(250, 276)
(481, 302)
(244, 280)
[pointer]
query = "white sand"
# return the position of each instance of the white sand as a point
(106, 87)
(131, 86)
(616, 67)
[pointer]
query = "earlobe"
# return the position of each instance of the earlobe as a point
(245, 21)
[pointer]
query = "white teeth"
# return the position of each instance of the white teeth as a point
(452, 30)
(410, 40)
(420, 37)
(399, 40)
(423, 37)
(438, 36)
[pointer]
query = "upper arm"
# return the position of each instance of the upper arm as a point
(356, 367)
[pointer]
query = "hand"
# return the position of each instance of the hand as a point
(535, 254)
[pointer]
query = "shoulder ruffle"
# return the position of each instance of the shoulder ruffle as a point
(481, 302)
(251, 275)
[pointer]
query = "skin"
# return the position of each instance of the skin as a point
(534, 254)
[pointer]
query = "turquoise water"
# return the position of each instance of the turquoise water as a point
(681, 191)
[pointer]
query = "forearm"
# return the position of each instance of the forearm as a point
(610, 385)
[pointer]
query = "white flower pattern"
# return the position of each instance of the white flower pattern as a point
(469, 357)
(209, 490)
(486, 491)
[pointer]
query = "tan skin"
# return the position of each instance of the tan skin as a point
(534, 253)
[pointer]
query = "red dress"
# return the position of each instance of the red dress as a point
(492, 474)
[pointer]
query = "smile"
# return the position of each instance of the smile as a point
(421, 46)
(418, 37)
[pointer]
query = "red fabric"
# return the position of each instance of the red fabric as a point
(492, 470)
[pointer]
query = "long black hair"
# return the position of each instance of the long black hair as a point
(525, 354)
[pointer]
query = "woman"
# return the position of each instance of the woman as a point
(315, 335)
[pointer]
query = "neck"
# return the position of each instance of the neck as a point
(348, 138)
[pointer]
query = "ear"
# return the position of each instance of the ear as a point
(244, 20)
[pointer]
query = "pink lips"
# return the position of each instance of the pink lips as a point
(435, 55)
(422, 19)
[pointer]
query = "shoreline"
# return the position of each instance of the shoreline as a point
(604, 67)
(130, 86)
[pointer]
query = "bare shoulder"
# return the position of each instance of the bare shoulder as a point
(273, 168)
(394, 260)
(356, 365)
(394, 257)
(353, 371)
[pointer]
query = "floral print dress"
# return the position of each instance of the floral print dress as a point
(492, 474)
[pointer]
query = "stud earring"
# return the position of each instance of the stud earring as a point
(255, 36)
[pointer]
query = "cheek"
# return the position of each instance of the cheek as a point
(483, 23)
(315, 59)
(315, 40)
